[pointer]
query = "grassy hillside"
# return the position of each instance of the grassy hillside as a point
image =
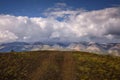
(55, 65)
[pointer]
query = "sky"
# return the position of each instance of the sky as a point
(60, 20)
(33, 8)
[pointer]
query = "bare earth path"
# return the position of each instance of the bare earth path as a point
(58, 66)
(38, 74)
(68, 68)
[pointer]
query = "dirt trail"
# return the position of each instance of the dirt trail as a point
(40, 72)
(68, 69)
(58, 66)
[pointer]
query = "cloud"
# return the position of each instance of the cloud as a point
(76, 25)
(7, 36)
(61, 10)
(60, 5)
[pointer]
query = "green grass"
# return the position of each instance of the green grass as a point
(58, 65)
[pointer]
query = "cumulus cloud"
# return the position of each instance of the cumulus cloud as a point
(76, 25)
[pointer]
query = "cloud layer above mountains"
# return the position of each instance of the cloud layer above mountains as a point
(63, 25)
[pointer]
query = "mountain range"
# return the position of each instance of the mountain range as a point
(99, 48)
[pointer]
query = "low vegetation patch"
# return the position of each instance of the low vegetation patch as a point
(58, 65)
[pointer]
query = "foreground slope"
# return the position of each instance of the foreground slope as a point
(58, 65)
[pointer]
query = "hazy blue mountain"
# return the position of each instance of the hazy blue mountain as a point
(102, 48)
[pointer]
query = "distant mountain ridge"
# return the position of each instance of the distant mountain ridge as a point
(101, 48)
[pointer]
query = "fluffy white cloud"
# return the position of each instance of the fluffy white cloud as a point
(75, 25)
(7, 36)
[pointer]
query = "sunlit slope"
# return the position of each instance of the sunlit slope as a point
(58, 65)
